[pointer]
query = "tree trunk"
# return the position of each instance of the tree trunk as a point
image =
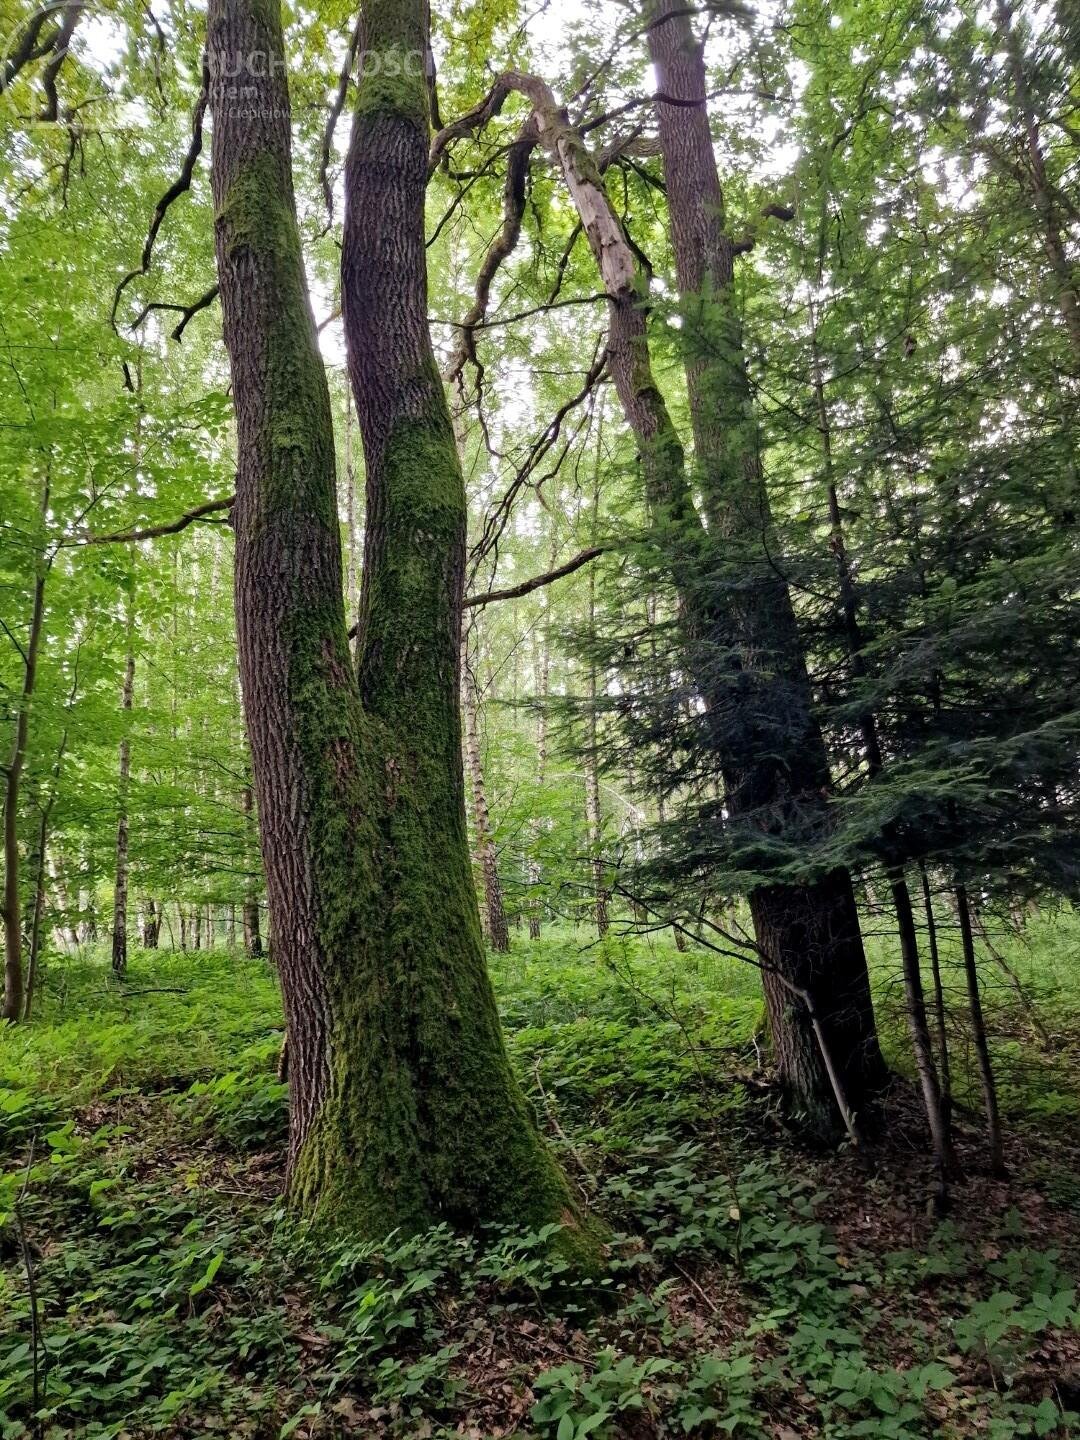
(978, 1030)
(403, 1108)
(1045, 202)
(940, 1016)
(352, 589)
(493, 914)
(594, 828)
(832, 971)
(778, 766)
(537, 829)
(13, 972)
(151, 929)
(252, 937)
(120, 893)
(33, 965)
(940, 1129)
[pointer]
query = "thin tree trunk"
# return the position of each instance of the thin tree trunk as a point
(13, 972)
(352, 590)
(33, 964)
(940, 1015)
(493, 914)
(538, 826)
(936, 1114)
(1046, 207)
(594, 825)
(120, 893)
(978, 1030)
(252, 938)
(403, 1107)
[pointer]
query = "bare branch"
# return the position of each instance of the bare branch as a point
(336, 107)
(514, 592)
(180, 186)
(188, 312)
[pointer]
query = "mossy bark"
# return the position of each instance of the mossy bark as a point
(404, 1109)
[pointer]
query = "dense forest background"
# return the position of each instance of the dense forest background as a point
(627, 544)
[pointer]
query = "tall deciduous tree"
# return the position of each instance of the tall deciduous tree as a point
(404, 1110)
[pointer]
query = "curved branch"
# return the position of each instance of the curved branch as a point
(29, 47)
(180, 186)
(514, 592)
(154, 532)
(188, 312)
(501, 248)
(336, 107)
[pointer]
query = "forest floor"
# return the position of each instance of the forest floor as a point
(152, 1283)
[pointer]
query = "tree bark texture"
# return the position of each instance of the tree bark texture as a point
(404, 1111)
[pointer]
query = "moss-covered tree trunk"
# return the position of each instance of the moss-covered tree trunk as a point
(404, 1110)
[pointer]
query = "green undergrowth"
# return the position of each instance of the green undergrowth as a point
(751, 1289)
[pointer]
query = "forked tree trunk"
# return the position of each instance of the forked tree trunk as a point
(403, 1108)
(493, 915)
(120, 892)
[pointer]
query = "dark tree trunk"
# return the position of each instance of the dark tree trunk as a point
(831, 982)
(13, 971)
(403, 1108)
(940, 1014)
(151, 929)
(936, 1114)
(777, 767)
(832, 974)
